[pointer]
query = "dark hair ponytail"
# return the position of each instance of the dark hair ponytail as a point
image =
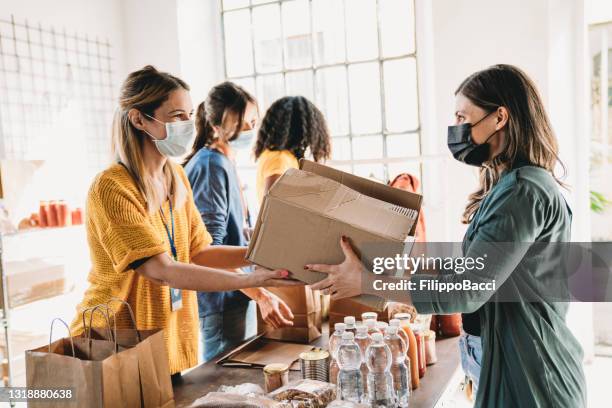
(224, 98)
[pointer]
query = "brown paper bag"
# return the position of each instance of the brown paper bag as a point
(305, 304)
(150, 351)
(98, 372)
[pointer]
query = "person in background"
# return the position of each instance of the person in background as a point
(408, 182)
(225, 122)
(148, 244)
(292, 125)
(517, 218)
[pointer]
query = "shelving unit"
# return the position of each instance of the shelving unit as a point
(43, 275)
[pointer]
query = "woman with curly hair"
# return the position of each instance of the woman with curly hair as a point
(292, 125)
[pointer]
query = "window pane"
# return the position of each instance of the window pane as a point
(332, 98)
(232, 4)
(247, 83)
(371, 171)
(238, 49)
(341, 148)
(365, 98)
(397, 27)
(406, 145)
(262, 1)
(296, 29)
(300, 83)
(328, 26)
(368, 147)
(269, 89)
(266, 28)
(361, 30)
(401, 98)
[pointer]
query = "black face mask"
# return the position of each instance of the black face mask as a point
(462, 146)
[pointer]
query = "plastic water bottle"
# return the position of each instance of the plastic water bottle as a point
(350, 380)
(363, 340)
(406, 340)
(334, 342)
(371, 325)
(382, 326)
(399, 370)
(349, 321)
(381, 393)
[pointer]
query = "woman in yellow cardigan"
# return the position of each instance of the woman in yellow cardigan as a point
(148, 244)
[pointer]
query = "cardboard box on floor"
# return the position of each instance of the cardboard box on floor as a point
(306, 212)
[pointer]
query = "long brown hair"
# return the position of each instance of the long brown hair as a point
(529, 135)
(227, 97)
(145, 90)
(294, 123)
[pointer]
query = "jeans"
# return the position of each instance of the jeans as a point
(470, 348)
(220, 332)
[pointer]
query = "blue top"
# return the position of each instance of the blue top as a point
(216, 193)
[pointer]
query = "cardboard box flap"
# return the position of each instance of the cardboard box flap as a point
(364, 186)
(337, 201)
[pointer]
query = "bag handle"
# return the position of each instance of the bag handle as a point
(129, 308)
(69, 334)
(102, 308)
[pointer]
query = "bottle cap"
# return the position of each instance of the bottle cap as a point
(377, 337)
(349, 320)
(391, 330)
(362, 328)
(403, 316)
(394, 322)
(370, 323)
(348, 336)
(369, 315)
(340, 327)
(382, 325)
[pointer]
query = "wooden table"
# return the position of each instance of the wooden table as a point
(439, 381)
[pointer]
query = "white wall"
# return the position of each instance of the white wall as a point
(92, 17)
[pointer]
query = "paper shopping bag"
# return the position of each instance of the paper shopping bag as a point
(305, 304)
(97, 373)
(150, 351)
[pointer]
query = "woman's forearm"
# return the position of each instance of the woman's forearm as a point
(222, 256)
(193, 277)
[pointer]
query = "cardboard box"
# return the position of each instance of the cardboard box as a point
(339, 309)
(306, 212)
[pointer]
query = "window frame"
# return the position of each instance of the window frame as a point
(314, 68)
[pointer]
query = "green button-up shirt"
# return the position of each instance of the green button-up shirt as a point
(530, 358)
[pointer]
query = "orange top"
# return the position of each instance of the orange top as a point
(121, 231)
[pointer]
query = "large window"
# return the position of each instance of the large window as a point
(356, 59)
(601, 131)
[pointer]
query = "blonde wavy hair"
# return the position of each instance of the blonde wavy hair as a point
(145, 90)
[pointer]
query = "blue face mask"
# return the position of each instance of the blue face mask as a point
(244, 140)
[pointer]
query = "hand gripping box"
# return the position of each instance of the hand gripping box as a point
(306, 212)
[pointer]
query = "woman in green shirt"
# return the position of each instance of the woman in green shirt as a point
(519, 219)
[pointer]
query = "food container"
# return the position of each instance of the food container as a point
(275, 376)
(63, 215)
(430, 347)
(52, 215)
(43, 214)
(315, 365)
